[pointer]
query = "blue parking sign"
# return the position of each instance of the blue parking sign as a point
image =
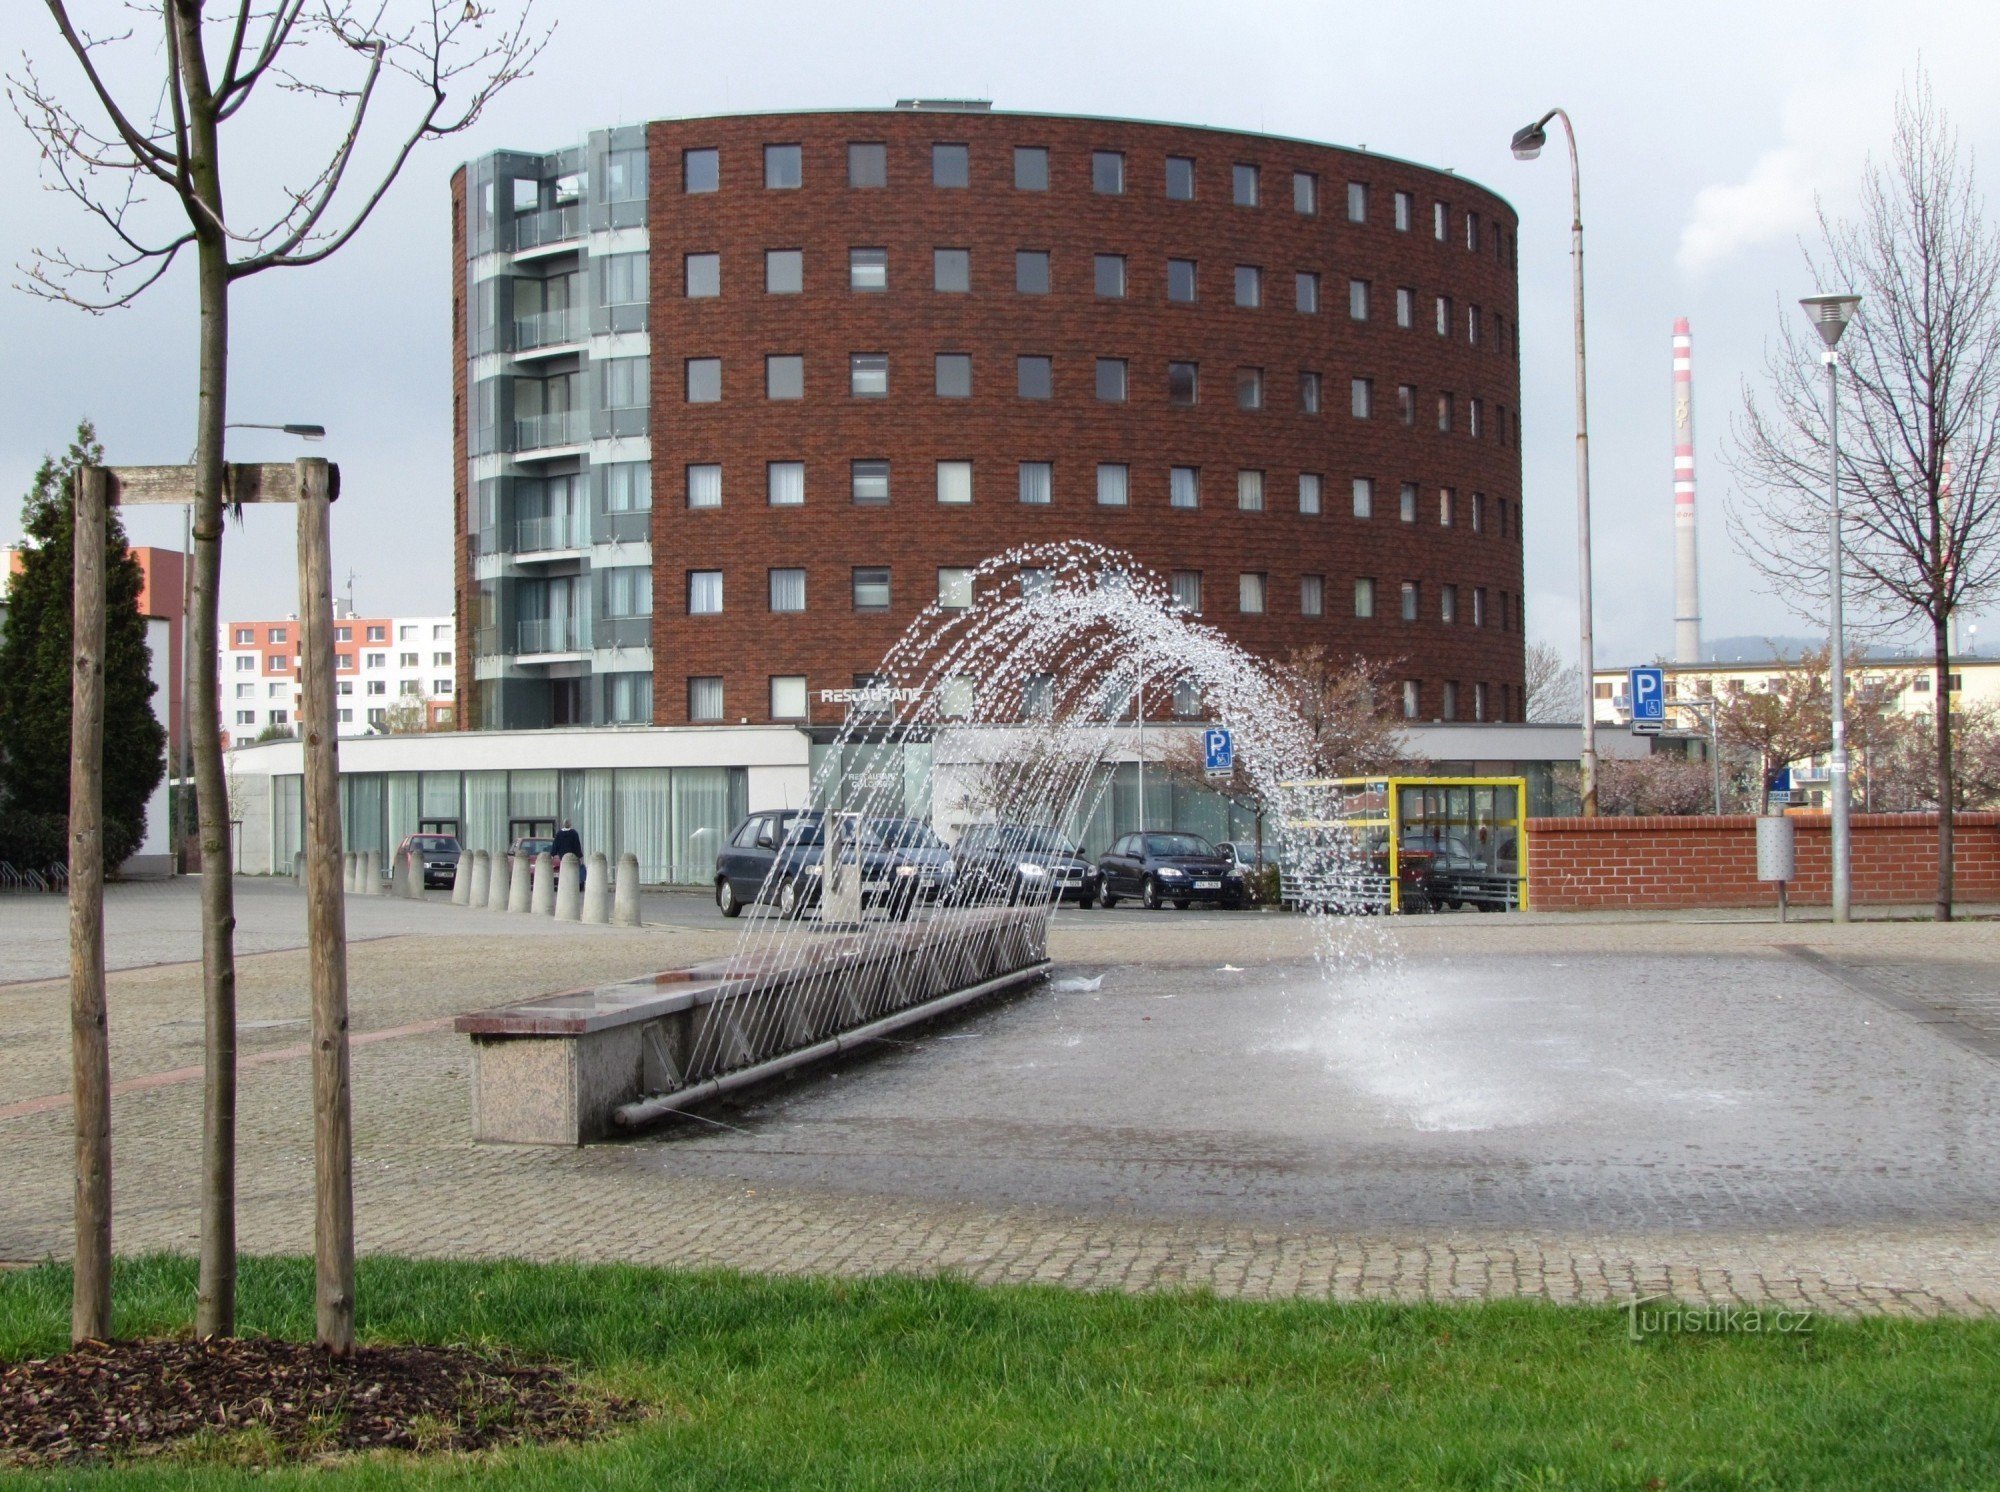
(1649, 694)
(1218, 749)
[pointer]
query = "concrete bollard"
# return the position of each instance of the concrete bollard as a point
(475, 873)
(569, 895)
(543, 900)
(371, 873)
(597, 890)
(517, 884)
(625, 909)
(413, 875)
(499, 881)
(347, 871)
(461, 879)
(299, 868)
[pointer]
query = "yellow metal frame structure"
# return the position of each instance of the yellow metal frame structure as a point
(1380, 805)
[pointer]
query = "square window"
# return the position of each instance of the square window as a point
(1031, 271)
(1305, 193)
(1184, 487)
(704, 275)
(1181, 280)
(788, 694)
(871, 589)
(1037, 483)
(784, 271)
(704, 593)
(1312, 595)
(1404, 208)
(1180, 178)
(954, 482)
(1309, 393)
(1357, 300)
(1249, 286)
(1364, 596)
(957, 697)
(1361, 397)
(783, 167)
(1187, 590)
(1109, 270)
(951, 166)
(1114, 484)
(954, 375)
(704, 486)
(705, 698)
(868, 269)
(704, 380)
(1031, 168)
(1305, 292)
(784, 376)
(1406, 307)
(1183, 383)
(1034, 377)
(785, 483)
(868, 482)
(1111, 379)
(868, 375)
(1411, 597)
(1107, 173)
(1406, 403)
(1249, 388)
(868, 164)
(788, 590)
(701, 170)
(1250, 592)
(954, 589)
(1364, 497)
(1250, 491)
(1309, 493)
(951, 270)
(1243, 185)
(1357, 202)
(1406, 503)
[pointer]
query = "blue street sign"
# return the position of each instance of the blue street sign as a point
(1218, 749)
(1649, 694)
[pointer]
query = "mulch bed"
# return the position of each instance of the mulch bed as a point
(117, 1399)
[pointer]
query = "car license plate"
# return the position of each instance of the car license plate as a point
(1208, 885)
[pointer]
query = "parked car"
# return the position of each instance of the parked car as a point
(921, 856)
(1161, 868)
(1356, 882)
(1247, 855)
(776, 856)
(1020, 863)
(440, 854)
(1458, 877)
(532, 845)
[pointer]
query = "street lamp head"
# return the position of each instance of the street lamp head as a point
(1529, 140)
(1830, 314)
(307, 432)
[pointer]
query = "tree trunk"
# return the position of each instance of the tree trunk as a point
(215, 1304)
(1947, 789)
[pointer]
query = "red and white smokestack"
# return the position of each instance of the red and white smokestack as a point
(1687, 585)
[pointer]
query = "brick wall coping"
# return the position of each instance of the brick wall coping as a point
(1698, 822)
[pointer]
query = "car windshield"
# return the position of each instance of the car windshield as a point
(1035, 840)
(803, 830)
(435, 842)
(1178, 844)
(903, 834)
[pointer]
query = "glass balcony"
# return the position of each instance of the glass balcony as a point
(534, 230)
(548, 329)
(559, 634)
(559, 531)
(566, 427)
(485, 641)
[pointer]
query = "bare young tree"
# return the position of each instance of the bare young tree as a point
(1919, 413)
(1346, 707)
(1789, 721)
(143, 153)
(1550, 685)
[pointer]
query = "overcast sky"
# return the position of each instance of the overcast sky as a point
(1707, 129)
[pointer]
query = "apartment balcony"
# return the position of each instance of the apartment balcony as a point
(545, 331)
(485, 641)
(562, 532)
(541, 230)
(547, 635)
(546, 432)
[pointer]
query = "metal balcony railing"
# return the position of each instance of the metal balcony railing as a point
(485, 641)
(553, 635)
(558, 531)
(533, 230)
(548, 329)
(566, 427)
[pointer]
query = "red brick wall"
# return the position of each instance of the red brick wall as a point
(1594, 864)
(913, 429)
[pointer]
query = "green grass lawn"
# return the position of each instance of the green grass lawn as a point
(933, 1384)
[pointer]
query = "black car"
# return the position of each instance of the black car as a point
(1020, 863)
(776, 856)
(1161, 868)
(440, 854)
(922, 858)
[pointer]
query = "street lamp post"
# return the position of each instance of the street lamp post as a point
(1527, 144)
(1829, 315)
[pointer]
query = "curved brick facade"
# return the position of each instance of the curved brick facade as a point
(1469, 355)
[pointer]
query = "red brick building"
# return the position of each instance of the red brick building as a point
(737, 397)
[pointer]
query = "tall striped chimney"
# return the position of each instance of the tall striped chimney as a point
(1687, 584)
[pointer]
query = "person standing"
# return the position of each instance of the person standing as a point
(568, 842)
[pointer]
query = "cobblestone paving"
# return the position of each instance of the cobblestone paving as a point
(423, 1189)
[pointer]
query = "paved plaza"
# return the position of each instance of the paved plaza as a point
(1568, 1108)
